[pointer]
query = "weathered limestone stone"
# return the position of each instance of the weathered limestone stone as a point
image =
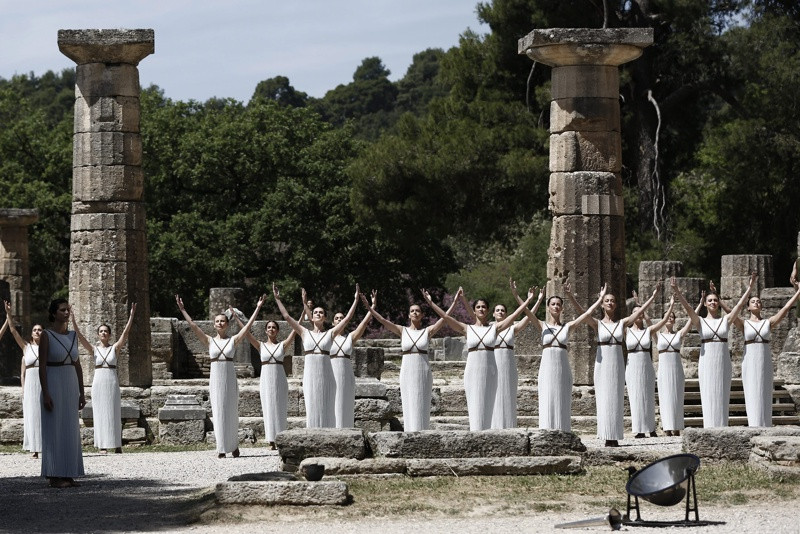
(449, 444)
(569, 191)
(789, 367)
(736, 271)
(779, 456)
(221, 298)
(510, 465)
(730, 443)
(586, 151)
(296, 445)
(14, 260)
(585, 46)
(134, 434)
(594, 82)
(181, 432)
(367, 362)
(10, 401)
(350, 466)
(554, 443)
(370, 388)
(108, 190)
(584, 114)
(11, 430)
(377, 409)
(651, 273)
(182, 408)
(282, 492)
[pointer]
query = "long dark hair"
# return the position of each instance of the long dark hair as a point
(54, 305)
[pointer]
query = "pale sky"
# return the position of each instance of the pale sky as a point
(222, 48)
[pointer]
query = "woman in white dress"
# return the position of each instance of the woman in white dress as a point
(61, 378)
(341, 354)
(273, 386)
(319, 383)
(714, 369)
(223, 389)
(671, 378)
(609, 367)
(31, 387)
(416, 378)
(480, 373)
(555, 375)
(106, 403)
(757, 361)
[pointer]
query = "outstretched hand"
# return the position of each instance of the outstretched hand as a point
(427, 296)
(513, 285)
(374, 297)
(604, 290)
(364, 300)
(275, 291)
(180, 303)
(133, 309)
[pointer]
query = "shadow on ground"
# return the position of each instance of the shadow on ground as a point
(27, 504)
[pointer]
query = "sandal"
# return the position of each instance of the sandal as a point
(221, 455)
(235, 453)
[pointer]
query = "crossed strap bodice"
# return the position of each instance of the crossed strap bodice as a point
(107, 360)
(756, 335)
(59, 352)
(608, 336)
(223, 353)
(31, 355)
(505, 339)
(638, 341)
(342, 346)
(669, 342)
(414, 345)
(481, 341)
(271, 356)
(554, 336)
(718, 334)
(316, 345)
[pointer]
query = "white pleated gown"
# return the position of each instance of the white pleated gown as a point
(480, 376)
(714, 371)
(319, 384)
(341, 353)
(671, 381)
(106, 404)
(640, 378)
(223, 389)
(555, 379)
(757, 373)
(32, 401)
(505, 400)
(416, 380)
(609, 381)
(274, 390)
(61, 435)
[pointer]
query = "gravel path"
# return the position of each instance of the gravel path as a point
(163, 492)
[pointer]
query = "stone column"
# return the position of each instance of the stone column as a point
(14, 266)
(108, 252)
(587, 242)
(650, 274)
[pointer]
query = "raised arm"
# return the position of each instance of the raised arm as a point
(530, 315)
(465, 302)
(586, 316)
(697, 308)
(388, 325)
(694, 319)
(123, 338)
(793, 277)
(778, 317)
(339, 328)
(81, 338)
(290, 338)
(241, 333)
(660, 324)
(629, 320)
(10, 325)
(307, 311)
(249, 335)
(733, 315)
(571, 296)
(362, 326)
(509, 320)
(713, 289)
(296, 326)
(445, 317)
(196, 329)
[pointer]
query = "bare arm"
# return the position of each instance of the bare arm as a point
(339, 328)
(659, 325)
(694, 319)
(388, 325)
(307, 311)
(572, 300)
(530, 315)
(79, 372)
(440, 323)
(123, 338)
(296, 326)
(778, 317)
(452, 323)
(22, 372)
(733, 315)
(725, 307)
(629, 320)
(362, 326)
(196, 329)
(793, 277)
(509, 320)
(467, 307)
(586, 316)
(241, 333)
(250, 337)
(10, 325)
(290, 338)
(81, 338)
(688, 324)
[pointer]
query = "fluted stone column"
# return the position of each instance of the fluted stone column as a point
(587, 242)
(14, 265)
(108, 251)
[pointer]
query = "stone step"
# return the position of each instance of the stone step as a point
(741, 420)
(740, 408)
(737, 395)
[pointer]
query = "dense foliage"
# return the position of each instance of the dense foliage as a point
(441, 177)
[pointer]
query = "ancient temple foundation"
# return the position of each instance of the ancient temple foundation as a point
(587, 243)
(108, 251)
(14, 264)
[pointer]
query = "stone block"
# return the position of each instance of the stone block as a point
(107, 183)
(659, 270)
(736, 271)
(729, 443)
(134, 434)
(250, 401)
(571, 192)
(106, 148)
(106, 114)
(10, 401)
(554, 443)
(781, 450)
(452, 401)
(107, 246)
(350, 466)
(373, 409)
(585, 115)
(11, 430)
(452, 349)
(527, 400)
(585, 46)
(395, 402)
(282, 493)
(295, 403)
(95, 80)
(449, 444)
(368, 362)
(586, 151)
(510, 466)
(370, 388)
(181, 432)
(789, 367)
(585, 82)
(296, 445)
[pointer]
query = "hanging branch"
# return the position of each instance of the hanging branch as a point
(659, 200)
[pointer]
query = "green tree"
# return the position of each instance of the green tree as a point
(281, 91)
